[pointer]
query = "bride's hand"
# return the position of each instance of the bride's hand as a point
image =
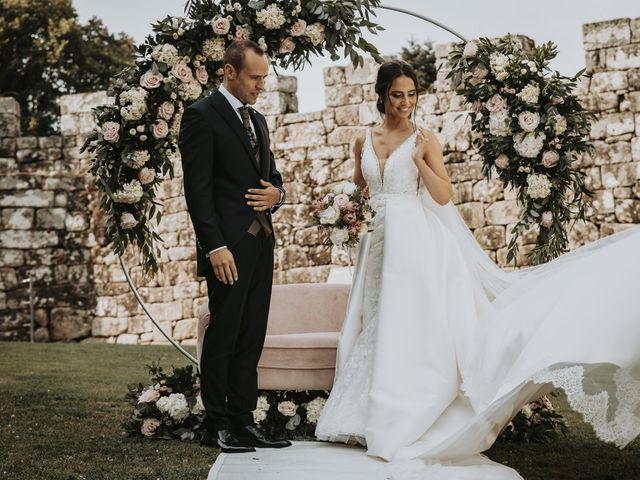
(417, 154)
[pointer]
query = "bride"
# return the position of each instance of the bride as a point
(440, 348)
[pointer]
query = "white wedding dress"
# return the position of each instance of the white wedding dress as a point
(440, 348)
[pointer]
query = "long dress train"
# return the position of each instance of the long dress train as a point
(440, 348)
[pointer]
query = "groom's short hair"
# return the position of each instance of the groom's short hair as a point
(236, 53)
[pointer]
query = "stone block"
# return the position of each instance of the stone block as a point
(281, 83)
(612, 124)
(26, 239)
(51, 218)
(600, 102)
(347, 115)
(363, 74)
(9, 105)
(460, 172)
(166, 311)
(300, 136)
(334, 75)
(631, 102)
(336, 96)
(608, 153)
(603, 202)
(76, 222)
(627, 211)
(83, 102)
(27, 198)
(608, 33)
(108, 326)
(69, 324)
(185, 329)
(491, 237)
(9, 125)
(633, 78)
(276, 103)
(473, 214)
(462, 192)
(17, 218)
(618, 175)
(623, 58)
(344, 135)
(11, 258)
(488, 191)
(368, 113)
(127, 339)
(502, 212)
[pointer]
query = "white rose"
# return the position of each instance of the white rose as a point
(339, 236)
(528, 121)
(329, 216)
(160, 129)
(315, 32)
(110, 131)
(182, 72)
(546, 220)
(470, 50)
(127, 221)
(201, 75)
(151, 80)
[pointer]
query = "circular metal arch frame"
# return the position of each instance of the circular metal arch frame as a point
(124, 268)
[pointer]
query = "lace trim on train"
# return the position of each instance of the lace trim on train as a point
(624, 426)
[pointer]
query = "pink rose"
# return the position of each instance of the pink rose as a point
(146, 175)
(166, 110)
(201, 75)
(349, 218)
(547, 219)
(287, 408)
(298, 28)
(502, 161)
(550, 158)
(150, 426)
(496, 103)
(151, 80)
(341, 200)
(127, 221)
(148, 396)
(182, 72)
(220, 25)
(470, 50)
(160, 129)
(287, 45)
(110, 131)
(479, 72)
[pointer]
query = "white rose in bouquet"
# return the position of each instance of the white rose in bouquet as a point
(151, 80)
(339, 236)
(110, 131)
(175, 405)
(329, 216)
(298, 28)
(546, 220)
(220, 25)
(470, 50)
(528, 121)
(496, 103)
(550, 158)
(127, 221)
(130, 193)
(315, 32)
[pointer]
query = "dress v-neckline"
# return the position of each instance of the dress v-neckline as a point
(383, 168)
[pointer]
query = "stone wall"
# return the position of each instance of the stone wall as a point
(314, 152)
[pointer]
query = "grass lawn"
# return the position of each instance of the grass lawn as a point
(62, 406)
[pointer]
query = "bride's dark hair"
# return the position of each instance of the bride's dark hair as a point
(387, 73)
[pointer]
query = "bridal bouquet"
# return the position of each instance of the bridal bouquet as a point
(170, 407)
(344, 215)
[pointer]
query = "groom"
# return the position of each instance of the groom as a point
(232, 187)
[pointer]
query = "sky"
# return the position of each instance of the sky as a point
(559, 21)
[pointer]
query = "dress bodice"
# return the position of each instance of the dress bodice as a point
(400, 174)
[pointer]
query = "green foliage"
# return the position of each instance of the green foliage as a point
(422, 58)
(47, 53)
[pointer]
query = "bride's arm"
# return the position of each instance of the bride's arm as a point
(358, 178)
(427, 155)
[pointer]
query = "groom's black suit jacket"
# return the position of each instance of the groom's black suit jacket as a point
(219, 167)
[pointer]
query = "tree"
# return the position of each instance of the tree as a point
(47, 53)
(423, 60)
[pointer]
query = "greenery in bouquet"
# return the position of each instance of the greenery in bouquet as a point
(344, 215)
(530, 129)
(289, 414)
(170, 407)
(135, 141)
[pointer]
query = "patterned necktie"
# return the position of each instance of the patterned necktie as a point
(246, 121)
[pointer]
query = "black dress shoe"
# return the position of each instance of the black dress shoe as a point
(250, 435)
(225, 441)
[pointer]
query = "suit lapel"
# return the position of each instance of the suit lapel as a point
(263, 136)
(231, 118)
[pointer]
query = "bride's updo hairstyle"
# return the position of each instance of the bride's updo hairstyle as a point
(387, 73)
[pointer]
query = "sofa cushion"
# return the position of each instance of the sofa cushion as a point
(306, 351)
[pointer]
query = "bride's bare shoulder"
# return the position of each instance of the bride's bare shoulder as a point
(427, 134)
(360, 140)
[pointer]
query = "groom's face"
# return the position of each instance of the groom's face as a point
(247, 84)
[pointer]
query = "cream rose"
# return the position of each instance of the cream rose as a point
(298, 28)
(287, 408)
(470, 50)
(166, 110)
(550, 158)
(182, 72)
(110, 132)
(528, 121)
(496, 103)
(220, 25)
(146, 175)
(151, 80)
(150, 426)
(546, 220)
(127, 221)
(149, 395)
(160, 129)
(201, 75)
(329, 216)
(341, 200)
(287, 45)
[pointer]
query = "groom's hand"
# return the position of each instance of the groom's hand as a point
(224, 267)
(262, 199)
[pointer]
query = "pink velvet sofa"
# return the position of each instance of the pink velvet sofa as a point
(302, 336)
